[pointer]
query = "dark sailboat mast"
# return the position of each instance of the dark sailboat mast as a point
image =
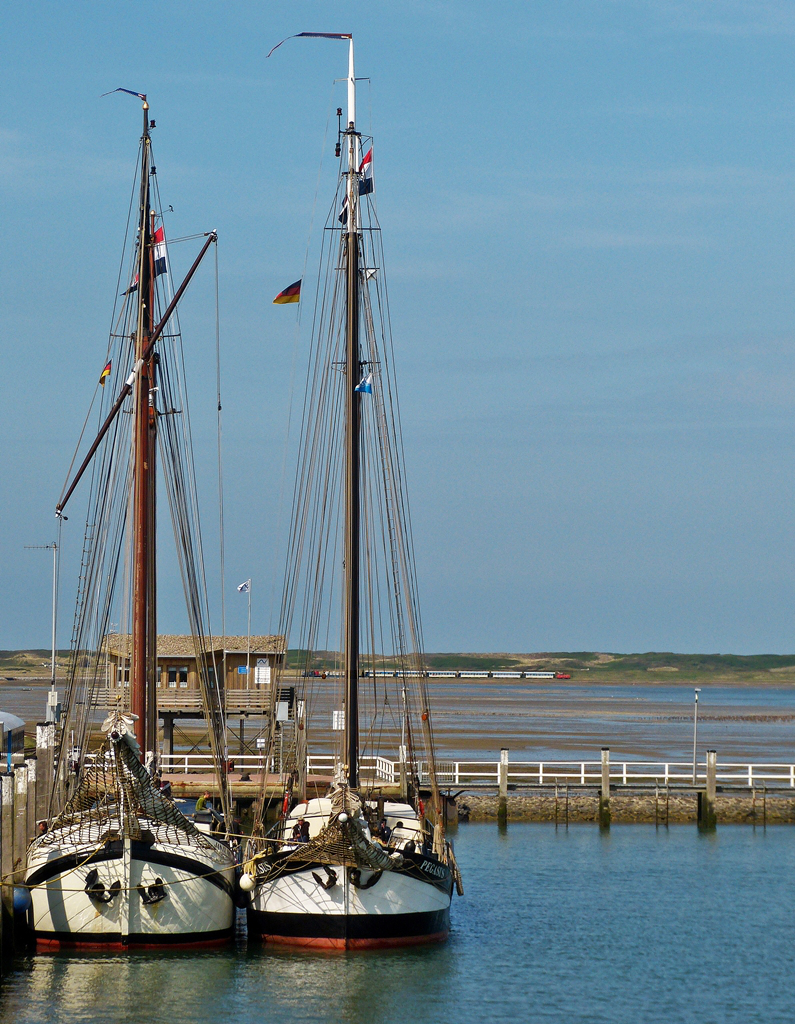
(352, 440)
(141, 384)
(144, 629)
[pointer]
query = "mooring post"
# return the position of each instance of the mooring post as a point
(7, 858)
(45, 767)
(706, 799)
(604, 794)
(33, 782)
(502, 806)
(20, 820)
(6, 863)
(168, 733)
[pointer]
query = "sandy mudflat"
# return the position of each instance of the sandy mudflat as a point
(567, 720)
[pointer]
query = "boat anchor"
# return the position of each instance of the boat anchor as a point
(96, 890)
(330, 881)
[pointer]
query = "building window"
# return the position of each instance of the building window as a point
(122, 675)
(178, 674)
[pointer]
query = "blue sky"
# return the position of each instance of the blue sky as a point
(588, 222)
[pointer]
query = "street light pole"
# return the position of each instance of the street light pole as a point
(696, 692)
(54, 548)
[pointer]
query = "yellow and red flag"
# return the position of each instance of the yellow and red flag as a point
(105, 373)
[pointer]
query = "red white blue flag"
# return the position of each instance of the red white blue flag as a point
(366, 173)
(159, 243)
(365, 183)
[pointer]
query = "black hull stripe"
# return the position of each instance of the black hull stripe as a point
(140, 852)
(70, 861)
(348, 926)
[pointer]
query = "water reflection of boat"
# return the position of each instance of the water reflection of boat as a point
(119, 865)
(367, 863)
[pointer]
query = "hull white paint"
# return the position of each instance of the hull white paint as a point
(397, 910)
(195, 909)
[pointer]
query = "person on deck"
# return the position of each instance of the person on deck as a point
(201, 803)
(301, 831)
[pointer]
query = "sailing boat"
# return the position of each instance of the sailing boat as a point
(363, 862)
(119, 865)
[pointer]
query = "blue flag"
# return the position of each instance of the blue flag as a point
(365, 385)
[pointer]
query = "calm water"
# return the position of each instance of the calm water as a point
(635, 927)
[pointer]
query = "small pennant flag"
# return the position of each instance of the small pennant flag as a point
(133, 287)
(105, 373)
(365, 385)
(244, 587)
(291, 294)
(159, 244)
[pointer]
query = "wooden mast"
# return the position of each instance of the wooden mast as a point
(143, 496)
(151, 596)
(352, 431)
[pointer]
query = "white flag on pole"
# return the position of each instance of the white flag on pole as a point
(244, 587)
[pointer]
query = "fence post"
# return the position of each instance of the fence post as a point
(706, 798)
(604, 794)
(502, 806)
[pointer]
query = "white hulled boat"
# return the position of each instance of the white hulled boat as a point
(356, 860)
(119, 866)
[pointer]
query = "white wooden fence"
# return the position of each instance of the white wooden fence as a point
(460, 774)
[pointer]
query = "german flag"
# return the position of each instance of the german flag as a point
(291, 294)
(105, 373)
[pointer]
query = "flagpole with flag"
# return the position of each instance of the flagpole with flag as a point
(245, 588)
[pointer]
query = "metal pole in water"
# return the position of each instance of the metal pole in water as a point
(696, 692)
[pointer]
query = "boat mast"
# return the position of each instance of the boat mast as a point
(352, 430)
(143, 628)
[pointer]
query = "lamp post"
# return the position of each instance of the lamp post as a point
(52, 702)
(696, 692)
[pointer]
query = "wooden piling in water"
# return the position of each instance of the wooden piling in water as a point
(502, 806)
(20, 820)
(604, 793)
(707, 818)
(31, 764)
(45, 768)
(7, 860)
